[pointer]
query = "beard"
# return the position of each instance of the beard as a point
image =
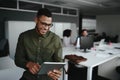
(42, 30)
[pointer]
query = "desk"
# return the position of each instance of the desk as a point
(95, 57)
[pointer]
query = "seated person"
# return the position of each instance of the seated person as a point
(84, 32)
(67, 38)
(115, 39)
(81, 70)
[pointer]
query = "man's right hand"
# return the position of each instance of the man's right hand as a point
(33, 67)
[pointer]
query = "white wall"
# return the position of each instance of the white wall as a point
(89, 24)
(111, 25)
(13, 29)
(59, 27)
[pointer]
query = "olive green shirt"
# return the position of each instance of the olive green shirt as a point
(33, 47)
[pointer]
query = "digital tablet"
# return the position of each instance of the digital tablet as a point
(49, 66)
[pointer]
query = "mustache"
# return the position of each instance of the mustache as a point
(42, 29)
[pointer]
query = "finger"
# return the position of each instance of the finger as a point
(36, 68)
(54, 75)
(57, 76)
(51, 74)
(57, 71)
(32, 70)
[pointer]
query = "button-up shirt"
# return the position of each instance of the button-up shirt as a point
(37, 48)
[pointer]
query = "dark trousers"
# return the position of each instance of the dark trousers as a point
(24, 78)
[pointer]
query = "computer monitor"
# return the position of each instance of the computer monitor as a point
(86, 43)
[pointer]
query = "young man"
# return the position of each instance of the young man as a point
(84, 32)
(38, 45)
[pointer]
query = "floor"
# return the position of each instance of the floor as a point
(9, 69)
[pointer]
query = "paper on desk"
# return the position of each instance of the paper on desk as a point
(113, 51)
(103, 55)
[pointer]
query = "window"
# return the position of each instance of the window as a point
(69, 11)
(53, 9)
(29, 6)
(8, 3)
(89, 24)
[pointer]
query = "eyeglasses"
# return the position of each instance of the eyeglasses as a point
(45, 24)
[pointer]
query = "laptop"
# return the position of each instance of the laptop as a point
(102, 42)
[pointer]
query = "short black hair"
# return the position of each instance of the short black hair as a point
(81, 33)
(44, 11)
(67, 33)
(84, 30)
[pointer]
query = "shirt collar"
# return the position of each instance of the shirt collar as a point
(44, 36)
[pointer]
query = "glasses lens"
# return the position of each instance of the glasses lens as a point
(45, 24)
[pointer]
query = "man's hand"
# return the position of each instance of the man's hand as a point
(55, 74)
(33, 67)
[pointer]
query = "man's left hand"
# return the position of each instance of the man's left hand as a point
(55, 74)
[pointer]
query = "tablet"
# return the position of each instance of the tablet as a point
(48, 66)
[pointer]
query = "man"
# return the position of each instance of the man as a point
(84, 32)
(37, 46)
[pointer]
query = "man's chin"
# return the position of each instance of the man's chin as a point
(42, 33)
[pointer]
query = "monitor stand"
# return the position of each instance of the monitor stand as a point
(85, 51)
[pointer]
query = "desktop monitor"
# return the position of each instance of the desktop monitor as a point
(86, 43)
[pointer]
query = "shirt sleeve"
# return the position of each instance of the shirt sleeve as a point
(58, 51)
(20, 58)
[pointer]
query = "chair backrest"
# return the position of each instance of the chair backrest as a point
(4, 47)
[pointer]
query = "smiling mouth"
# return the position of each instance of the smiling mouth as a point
(43, 31)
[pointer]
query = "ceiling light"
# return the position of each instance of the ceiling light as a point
(88, 2)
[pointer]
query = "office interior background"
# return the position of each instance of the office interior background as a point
(95, 15)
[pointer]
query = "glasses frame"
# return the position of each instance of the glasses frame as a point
(45, 24)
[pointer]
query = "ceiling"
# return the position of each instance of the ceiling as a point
(89, 7)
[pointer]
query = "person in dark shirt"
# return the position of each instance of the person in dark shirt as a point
(39, 45)
(84, 32)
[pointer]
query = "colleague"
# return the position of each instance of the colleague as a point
(84, 32)
(67, 38)
(39, 45)
(81, 70)
(80, 73)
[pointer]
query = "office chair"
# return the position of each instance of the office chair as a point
(118, 69)
(4, 47)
